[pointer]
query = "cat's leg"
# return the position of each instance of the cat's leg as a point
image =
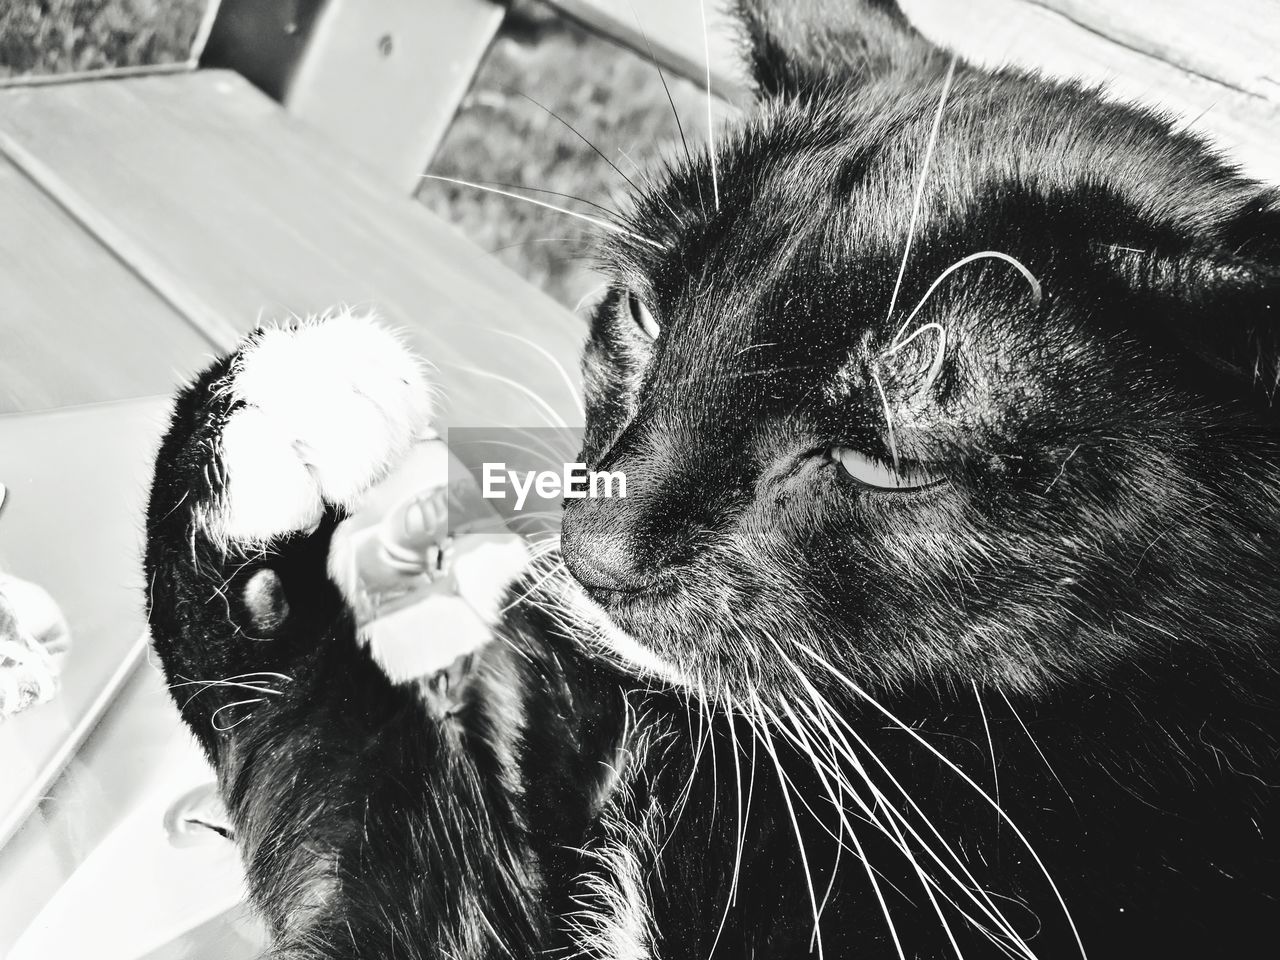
(375, 819)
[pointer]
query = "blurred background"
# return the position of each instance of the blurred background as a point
(543, 77)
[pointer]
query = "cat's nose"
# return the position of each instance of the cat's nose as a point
(605, 564)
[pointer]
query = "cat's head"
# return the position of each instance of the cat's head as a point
(1041, 445)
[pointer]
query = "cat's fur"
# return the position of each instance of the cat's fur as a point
(1088, 599)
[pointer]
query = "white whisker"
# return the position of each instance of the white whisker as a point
(549, 413)
(1025, 730)
(840, 744)
(803, 742)
(602, 224)
(213, 719)
(556, 364)
(896, 344)
(767, 741)
(991, 746)
(911, 732)
(888, 417)
(741, 823)
(711, 143)
(924, 175)
(969, 886)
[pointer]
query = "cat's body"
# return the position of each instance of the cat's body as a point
(1037, 536)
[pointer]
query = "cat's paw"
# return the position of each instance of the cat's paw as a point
(319, 411)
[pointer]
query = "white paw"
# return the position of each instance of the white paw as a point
(329, 405)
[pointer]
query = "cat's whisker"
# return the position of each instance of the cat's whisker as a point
(711, 143)
(577, 133)
(704, 732)
(545, 452)
(589, 295)
(888, 417)
(890, 829)
(897, 822)
(544, 547)
(847, 789)
(608, 211)
(849, 684)
(767, 741)
(241, 681)
(670, 100)
(710, 707)
(939, 353)
(991, 747)
(829, 776)
(1037, 292)
(924, 176)
(739, 821)
(550, 358)
(839, 743)
(970, 886)
(548, 412)
(802, 741)
(244, 685)
(213, 718)
(654, 191)
(531, 591)
(582, 257)
(596, 221)
(1032, 739)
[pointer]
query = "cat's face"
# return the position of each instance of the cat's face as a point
(1009, 477)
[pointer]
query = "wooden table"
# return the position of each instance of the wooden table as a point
(162, 217)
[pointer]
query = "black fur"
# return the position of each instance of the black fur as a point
(1086, 598)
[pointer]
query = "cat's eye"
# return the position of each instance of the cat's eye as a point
(878, 475)
(643, 317)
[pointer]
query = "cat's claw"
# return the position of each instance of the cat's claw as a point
(320, 411)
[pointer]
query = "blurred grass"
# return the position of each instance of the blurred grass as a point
(500, 135)
(67, 36)
(614, 98)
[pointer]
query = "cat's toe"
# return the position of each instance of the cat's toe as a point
(320, 411)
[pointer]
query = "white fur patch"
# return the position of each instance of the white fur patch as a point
(614, 922)
(624, 932)
(330, 404)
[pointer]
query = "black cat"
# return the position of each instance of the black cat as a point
(942, 611)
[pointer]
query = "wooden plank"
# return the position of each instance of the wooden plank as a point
(1236, 44)
(381, 79)
(672, 33)
(246, 211)
(1028, 35)
(77, 326)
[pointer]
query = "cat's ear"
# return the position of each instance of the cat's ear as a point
(1222, 303)
(794, 46)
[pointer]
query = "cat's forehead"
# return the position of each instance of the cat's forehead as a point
(859, 171)
(816, 239)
